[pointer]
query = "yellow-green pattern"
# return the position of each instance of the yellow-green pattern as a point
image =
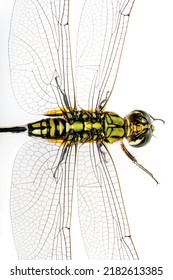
(79, 127)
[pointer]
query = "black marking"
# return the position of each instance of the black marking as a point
(15, 129)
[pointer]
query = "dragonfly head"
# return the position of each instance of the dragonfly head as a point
(138, 128)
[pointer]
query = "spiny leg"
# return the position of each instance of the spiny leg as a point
(134, 160)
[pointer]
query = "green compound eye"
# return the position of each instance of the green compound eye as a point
(144, 117)
(140, 128)
(143, 140)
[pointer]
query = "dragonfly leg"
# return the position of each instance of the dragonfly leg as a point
(62, 157)
(63, 94)
(134, 160)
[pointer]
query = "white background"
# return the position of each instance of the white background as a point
(144, 82)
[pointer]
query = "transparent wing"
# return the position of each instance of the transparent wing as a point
(102, 214)
(101, 37)
(39, 53)
(41, 200)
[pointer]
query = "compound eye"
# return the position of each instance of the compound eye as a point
(142, 141)
(144, 117)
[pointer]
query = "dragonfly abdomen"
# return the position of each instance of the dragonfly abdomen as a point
(79, 127)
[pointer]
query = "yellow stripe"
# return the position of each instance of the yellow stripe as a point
(36, 132)
(52, 128)
(44, 124)
(68, 126)
(55, 141)
(61, 128)
(36, 125)
(55, 111)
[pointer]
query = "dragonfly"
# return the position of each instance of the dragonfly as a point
(71, 142)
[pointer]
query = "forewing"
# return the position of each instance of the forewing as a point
(101, 37)
(102, 215)
(39, 53)
(41, 200)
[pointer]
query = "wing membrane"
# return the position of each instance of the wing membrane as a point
(41, 200)
(102, 214)
(39, 52)
(100, 42)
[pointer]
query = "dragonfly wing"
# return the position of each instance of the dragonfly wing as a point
(41, 200)
(102, 214)
(101, 37)
(39, 53)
